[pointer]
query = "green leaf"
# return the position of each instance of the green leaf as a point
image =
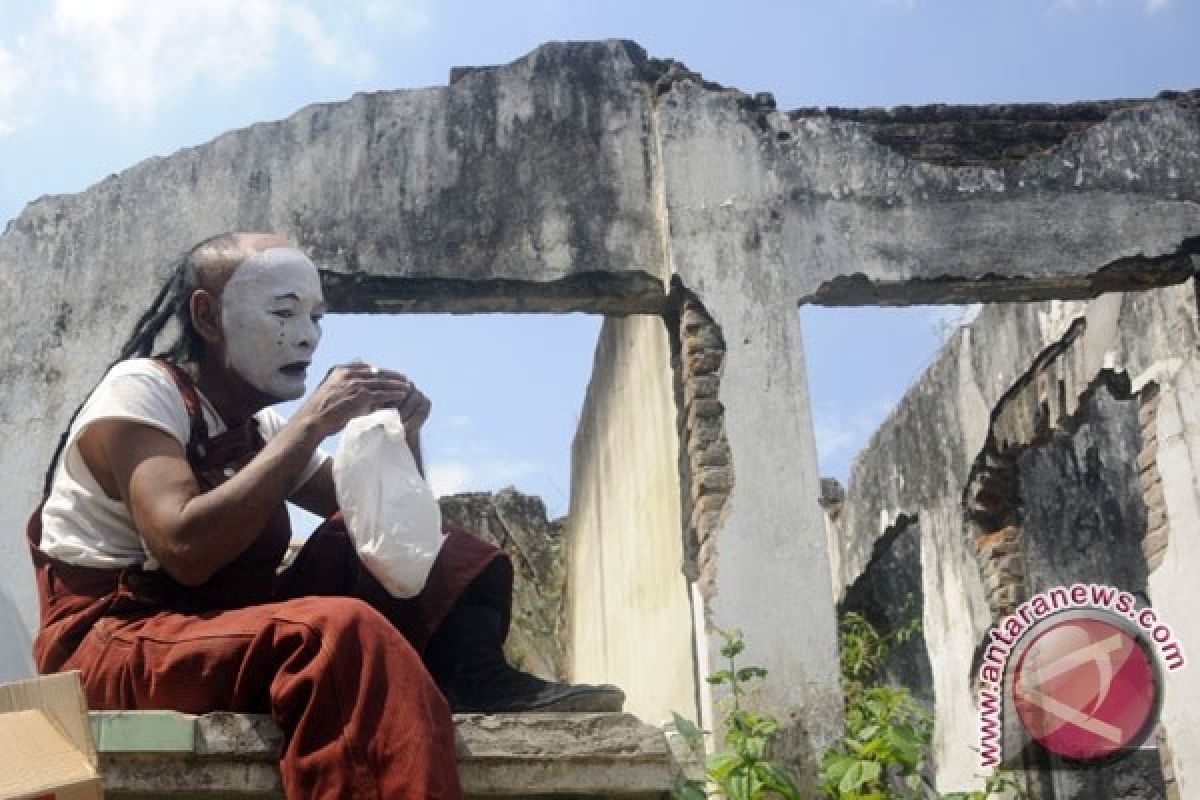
(775, 779)
(732, 648)
(690, 732)
(834, 766)
(751, 673)
(867, 732)
(687, 790)
(861, 774)
(740, 787)
(720, 765)
(720, 676)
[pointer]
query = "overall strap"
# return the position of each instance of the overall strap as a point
(191, 400)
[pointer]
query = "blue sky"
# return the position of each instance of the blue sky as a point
(89, 87)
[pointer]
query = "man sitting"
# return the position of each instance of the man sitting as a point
(159, 545)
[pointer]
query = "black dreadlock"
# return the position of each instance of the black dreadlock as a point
(173, 300)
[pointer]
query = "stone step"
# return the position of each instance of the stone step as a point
(164, 754)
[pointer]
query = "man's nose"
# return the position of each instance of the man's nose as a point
(310, 335)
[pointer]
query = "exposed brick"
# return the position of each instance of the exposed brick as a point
(1153, 496)
(997, 581)
(702, 337)
(1154, 560)
(704, 523)
(706, 362)
(1148, 412)
(1156, 518)
(1155, 541)
(704, 410)
(1008, 533)
(711, 479)
(704, 432)
(708, 551)
(717, 455)
(700, 387)
(1009, 567)
(999, 549)
(1150, 479)
(1147, 457)
(709, 502)
(693, 316)
(1003, 599)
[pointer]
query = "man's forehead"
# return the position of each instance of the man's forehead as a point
(283, 270)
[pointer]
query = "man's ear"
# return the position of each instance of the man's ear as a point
(206, 316)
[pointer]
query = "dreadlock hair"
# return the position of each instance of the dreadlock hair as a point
(172, 300)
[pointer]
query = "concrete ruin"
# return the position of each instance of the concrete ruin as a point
(1058, 444)
(591, 177)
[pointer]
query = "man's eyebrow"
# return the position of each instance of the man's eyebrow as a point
(288, 296)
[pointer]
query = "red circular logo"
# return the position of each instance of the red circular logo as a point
(1085, 688)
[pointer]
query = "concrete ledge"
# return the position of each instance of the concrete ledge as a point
(161, 754)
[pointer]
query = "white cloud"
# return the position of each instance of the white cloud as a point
(480, 475)
(449, 477)
(134, 56)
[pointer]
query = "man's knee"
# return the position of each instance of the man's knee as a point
(339, 619)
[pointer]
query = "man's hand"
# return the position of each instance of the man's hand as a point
(356, 389)
(414, 410)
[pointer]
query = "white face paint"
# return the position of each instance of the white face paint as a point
(270, 312)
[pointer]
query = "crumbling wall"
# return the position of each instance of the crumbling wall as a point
(963, 444)
(629, 610)
(890, 596)
(517, 523)
(588, 177)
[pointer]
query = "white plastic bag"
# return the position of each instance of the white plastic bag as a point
(390, 511)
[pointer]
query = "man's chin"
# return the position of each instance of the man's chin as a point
(283, 389)
(290, 393)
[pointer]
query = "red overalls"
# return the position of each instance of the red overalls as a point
(321, 646)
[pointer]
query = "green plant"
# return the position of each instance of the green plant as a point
(883, 753)
(999, 782)
(742, 770)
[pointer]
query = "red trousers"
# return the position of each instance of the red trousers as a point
(332, 657)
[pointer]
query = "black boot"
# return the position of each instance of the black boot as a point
(466, 658)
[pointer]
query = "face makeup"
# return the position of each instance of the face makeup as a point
(270, 313)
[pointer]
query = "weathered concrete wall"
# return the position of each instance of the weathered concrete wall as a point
(990, 381)
(521, 187)
(537, 638)
(630, 617)
(587, 176)
(889, 594)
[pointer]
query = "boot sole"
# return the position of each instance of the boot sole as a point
(598, 700)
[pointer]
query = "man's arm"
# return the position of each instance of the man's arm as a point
(191, 532)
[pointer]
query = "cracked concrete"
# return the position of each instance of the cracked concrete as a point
(986, 391)
(586, 177)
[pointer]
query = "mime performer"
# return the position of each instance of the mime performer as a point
(159, 544)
